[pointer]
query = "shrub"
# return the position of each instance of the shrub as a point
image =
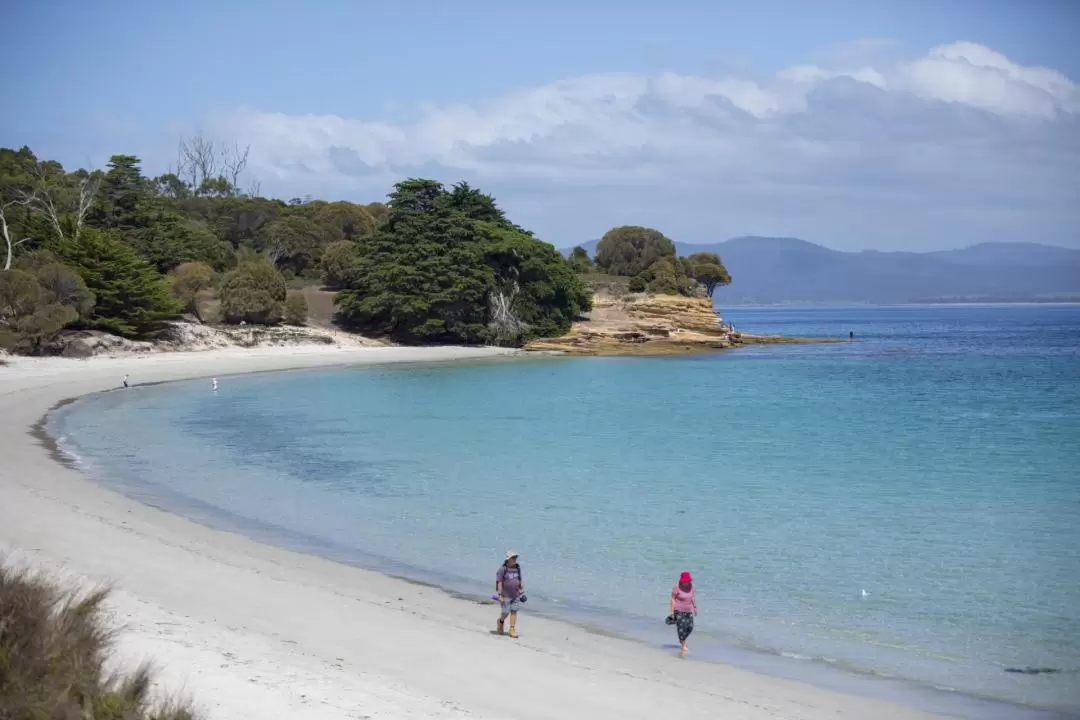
(637, 284)
(253, 293)
(54, 644)
(38, 298)
(295, 308)
(190, 282)
(339, 264)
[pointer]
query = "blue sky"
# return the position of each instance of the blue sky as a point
(892, 125)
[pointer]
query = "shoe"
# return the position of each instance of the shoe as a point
(513, 632)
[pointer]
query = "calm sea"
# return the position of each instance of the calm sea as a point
(903, 506)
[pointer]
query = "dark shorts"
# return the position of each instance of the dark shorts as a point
(684, 625)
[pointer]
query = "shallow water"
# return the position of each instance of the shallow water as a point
(905, 504)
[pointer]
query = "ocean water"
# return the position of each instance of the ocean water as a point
(904, 506)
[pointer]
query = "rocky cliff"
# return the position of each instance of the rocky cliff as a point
(641, 324)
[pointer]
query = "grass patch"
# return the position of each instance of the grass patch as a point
(54, 644)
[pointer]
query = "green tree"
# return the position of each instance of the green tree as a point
(581, 262)
(253, 293)
(545, 290)
(293, 243)
(339, 264)
(295, 308)
(132, 298)
(628, 250)
(475, 204)
(38, 298)
(345, 220)
(190, 283)
(16, 200)
(121, 194)
(434, 273)
(378, 211)
(707, 269)
(637, 284)
(168, 239)
(421, 278)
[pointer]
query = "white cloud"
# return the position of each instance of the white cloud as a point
(896, 154)
(974, 75)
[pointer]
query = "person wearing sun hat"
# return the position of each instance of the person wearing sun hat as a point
(510, 589)
(683, 608)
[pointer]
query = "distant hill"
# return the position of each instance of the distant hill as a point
(770, 270)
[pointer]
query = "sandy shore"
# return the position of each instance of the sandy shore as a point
(252, 631)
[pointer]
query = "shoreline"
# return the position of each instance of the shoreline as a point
(711, 649)
(561, 675)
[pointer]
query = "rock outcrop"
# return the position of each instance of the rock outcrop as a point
(643, 324)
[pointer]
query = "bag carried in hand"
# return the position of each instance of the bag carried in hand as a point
(669, 620)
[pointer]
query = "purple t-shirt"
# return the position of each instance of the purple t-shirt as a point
(510, 577)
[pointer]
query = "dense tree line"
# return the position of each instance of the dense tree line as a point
(118, 251)
(447, 265)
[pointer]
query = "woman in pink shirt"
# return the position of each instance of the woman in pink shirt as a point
(683, 609)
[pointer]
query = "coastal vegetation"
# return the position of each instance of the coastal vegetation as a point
(647, 257)
(118, 252)
(55, 643)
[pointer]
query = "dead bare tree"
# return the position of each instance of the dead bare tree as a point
(254, 188)
(504, 324)
(233, 162)
(197, 160)
(200, 160)
(82, 199)
(21, 199)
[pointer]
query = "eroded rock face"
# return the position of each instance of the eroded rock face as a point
(642, 324)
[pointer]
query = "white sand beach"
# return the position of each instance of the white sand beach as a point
(252, 631)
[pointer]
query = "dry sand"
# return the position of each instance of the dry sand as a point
(252, 631)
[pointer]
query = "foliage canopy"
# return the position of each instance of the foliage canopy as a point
(448, 267)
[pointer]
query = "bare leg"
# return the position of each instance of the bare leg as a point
(513, 624)
(499, 625)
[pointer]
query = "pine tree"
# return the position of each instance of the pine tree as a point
(133, 299)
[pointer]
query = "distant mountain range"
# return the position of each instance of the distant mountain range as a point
(771, 270)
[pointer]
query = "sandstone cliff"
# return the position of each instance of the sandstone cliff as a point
(641, 324)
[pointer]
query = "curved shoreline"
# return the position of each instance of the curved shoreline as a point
(264, 630)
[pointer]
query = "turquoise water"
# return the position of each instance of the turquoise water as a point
(906, 505)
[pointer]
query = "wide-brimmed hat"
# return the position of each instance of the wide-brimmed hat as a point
(511, 554)
(685, 579)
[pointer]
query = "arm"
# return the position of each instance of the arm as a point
(671, 603)
(499, 582)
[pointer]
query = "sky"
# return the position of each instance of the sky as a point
(904, 125)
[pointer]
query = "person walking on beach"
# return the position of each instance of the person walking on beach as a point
(683, 609)
(510, 588)
(125, 381)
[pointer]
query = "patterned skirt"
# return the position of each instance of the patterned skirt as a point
(684, 625)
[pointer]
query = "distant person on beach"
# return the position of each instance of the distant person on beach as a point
(510, 589)
(125, 381)
(683, 609)
(851, 335)
(215, 385)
